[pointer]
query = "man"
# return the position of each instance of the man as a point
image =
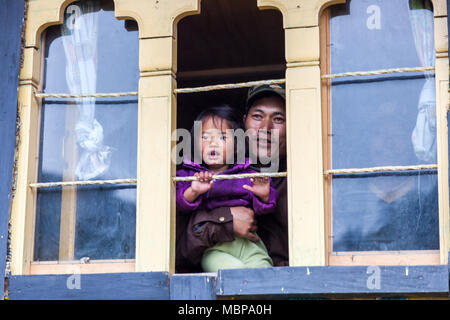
(265, 113)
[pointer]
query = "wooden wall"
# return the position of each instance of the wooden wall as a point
(309, 281)
(11, 18)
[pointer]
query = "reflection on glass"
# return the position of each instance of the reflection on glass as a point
(383, 120)
(385, 212)
(105, 225)
(88, 138)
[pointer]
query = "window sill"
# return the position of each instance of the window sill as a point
(70, 267)
(328, 282)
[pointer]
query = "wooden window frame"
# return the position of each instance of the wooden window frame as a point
(154, 214)
(403, 257)
(155, 207)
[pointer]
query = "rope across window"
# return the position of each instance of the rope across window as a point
(226, 87)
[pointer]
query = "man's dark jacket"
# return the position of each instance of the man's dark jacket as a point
(201, 230)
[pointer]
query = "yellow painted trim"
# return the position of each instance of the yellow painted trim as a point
(442, 98)
(23, 207)
(442, 107)
(298, 13)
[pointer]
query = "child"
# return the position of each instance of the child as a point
(207, 194)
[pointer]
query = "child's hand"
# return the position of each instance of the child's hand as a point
(260, 188)
(204, 182)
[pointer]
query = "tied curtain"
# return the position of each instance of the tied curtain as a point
(424, 134)
(79, 34)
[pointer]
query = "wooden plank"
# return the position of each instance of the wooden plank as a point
(11, 15)
(118, 286)
(326, 123)
(69, 194)
(331, 280)
(222, 72)
(416, 258)
(193, 287)
(93, 267)
(305, 200)
(155, 221)
(442, 98)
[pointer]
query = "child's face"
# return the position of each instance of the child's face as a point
(216, 142)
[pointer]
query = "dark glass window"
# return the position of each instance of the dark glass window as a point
(383, 120)
(88, 138)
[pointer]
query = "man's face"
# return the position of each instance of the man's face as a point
(267, 115)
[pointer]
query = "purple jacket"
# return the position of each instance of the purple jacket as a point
(224, 193)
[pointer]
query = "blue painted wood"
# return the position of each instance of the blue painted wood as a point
(11, 16)
(334, 280)
(117, 286)
(192, 287)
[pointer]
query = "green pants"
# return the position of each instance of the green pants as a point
(238, 254)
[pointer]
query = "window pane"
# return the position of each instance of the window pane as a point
(88, 138)
(379, 212)
(383, 120)
(105, 224)
(371, 35)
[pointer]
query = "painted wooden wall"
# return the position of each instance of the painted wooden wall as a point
(156, 285)
(11, 17)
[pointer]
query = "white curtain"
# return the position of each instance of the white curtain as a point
(80, 45)
(424, 134)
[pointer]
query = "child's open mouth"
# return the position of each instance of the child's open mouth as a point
(213, 154)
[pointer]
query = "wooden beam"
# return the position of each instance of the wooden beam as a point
(326, 124)
(193, 286)
(225, 72)
(332, 280)
(69, 194)
(97, 266)
(114, 286)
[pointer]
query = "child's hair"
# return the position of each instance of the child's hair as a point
(218, 114)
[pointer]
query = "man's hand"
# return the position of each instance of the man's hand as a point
(244, 224)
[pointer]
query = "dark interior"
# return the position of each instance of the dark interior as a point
(230, 41)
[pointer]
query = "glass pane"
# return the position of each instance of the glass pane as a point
(105, 224)
(370, 112)
(383, 120)
(376, 212)
(383, 34)
(377, 123)
(88, 138)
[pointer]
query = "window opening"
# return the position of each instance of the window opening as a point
(231, 43)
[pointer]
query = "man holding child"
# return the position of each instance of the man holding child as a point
(265, 122)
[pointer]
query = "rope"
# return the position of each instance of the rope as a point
(232, 176)
(235, 176)
(129, 181)
(80, 183)
(91, 95)
(375, 72)
(235, 85)
(378, 169)
(229, 86)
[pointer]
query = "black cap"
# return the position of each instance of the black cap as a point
(263, 90)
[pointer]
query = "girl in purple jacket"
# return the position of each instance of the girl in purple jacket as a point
(217, 140)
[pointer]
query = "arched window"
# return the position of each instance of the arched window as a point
(379, 98)
(228, 43)
(85, 139)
